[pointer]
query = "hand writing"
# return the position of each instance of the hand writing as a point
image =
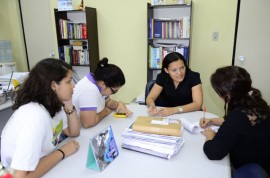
(209, 133)
(205, 122)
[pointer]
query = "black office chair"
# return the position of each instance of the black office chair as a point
(251, 170)
(148, 88)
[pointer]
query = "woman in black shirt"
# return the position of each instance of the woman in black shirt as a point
(177, 87)
(244, 132)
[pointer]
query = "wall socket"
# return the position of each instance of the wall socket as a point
(215, 36)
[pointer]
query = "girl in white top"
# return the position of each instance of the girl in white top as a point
(91, 94)
(43, 110)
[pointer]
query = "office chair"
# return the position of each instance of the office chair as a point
(251, 170)
(148, 88)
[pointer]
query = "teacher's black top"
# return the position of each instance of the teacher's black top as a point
(182, 95)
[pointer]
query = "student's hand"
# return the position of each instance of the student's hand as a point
(163, 112)
(205, 122)
(70, 147)
(209, 133)
(121, 108)
(68, 104)
(152, 110)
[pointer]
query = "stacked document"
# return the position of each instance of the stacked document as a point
(155, 125)
(163, 146)
(19, 77)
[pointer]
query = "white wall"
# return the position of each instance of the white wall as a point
(11, 29)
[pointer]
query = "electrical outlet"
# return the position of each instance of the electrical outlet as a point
(215, 36)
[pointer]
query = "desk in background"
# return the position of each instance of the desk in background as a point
(190, 162)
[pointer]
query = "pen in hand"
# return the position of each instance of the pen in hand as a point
(204, 111)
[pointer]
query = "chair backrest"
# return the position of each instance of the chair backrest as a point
(251, 170)
(148, 88)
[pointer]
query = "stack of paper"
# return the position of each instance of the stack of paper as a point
(154, 144)
(140, 98)
(20, 77)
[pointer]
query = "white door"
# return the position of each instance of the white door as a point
(252, 45)
(38, 30)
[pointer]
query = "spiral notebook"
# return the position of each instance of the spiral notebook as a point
(102, 150)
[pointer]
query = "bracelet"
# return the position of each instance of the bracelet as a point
(70, 111)
(62, 153)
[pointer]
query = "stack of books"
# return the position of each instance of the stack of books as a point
(155, 136)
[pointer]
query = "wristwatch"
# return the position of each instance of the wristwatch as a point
(69, 111)
(180, 110)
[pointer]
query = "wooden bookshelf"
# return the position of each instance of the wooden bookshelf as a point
(78, 27)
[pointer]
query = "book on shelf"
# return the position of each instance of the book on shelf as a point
(79, 45)
(158, 52)
(84, 31)
(155, 57)
(61, 53)
(166, 28)
(184, 50)
(72, 30)
(162, 126)
(150, 30)
(157, 29)
(68, 53)
(186, 26)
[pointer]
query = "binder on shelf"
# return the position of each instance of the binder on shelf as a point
(102, 150)
(157, 29)
(150, 30)
(162, 126)
(184, 50)
(84, 31)
(61, 53)
(155, 61)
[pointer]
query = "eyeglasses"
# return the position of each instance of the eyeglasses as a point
(113, 91)
(181, 69)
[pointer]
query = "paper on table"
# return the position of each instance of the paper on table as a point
(194, 127)
(158, 145)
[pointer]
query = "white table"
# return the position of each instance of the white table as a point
(190, 162)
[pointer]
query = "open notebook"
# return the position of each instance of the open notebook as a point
(194, 127)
